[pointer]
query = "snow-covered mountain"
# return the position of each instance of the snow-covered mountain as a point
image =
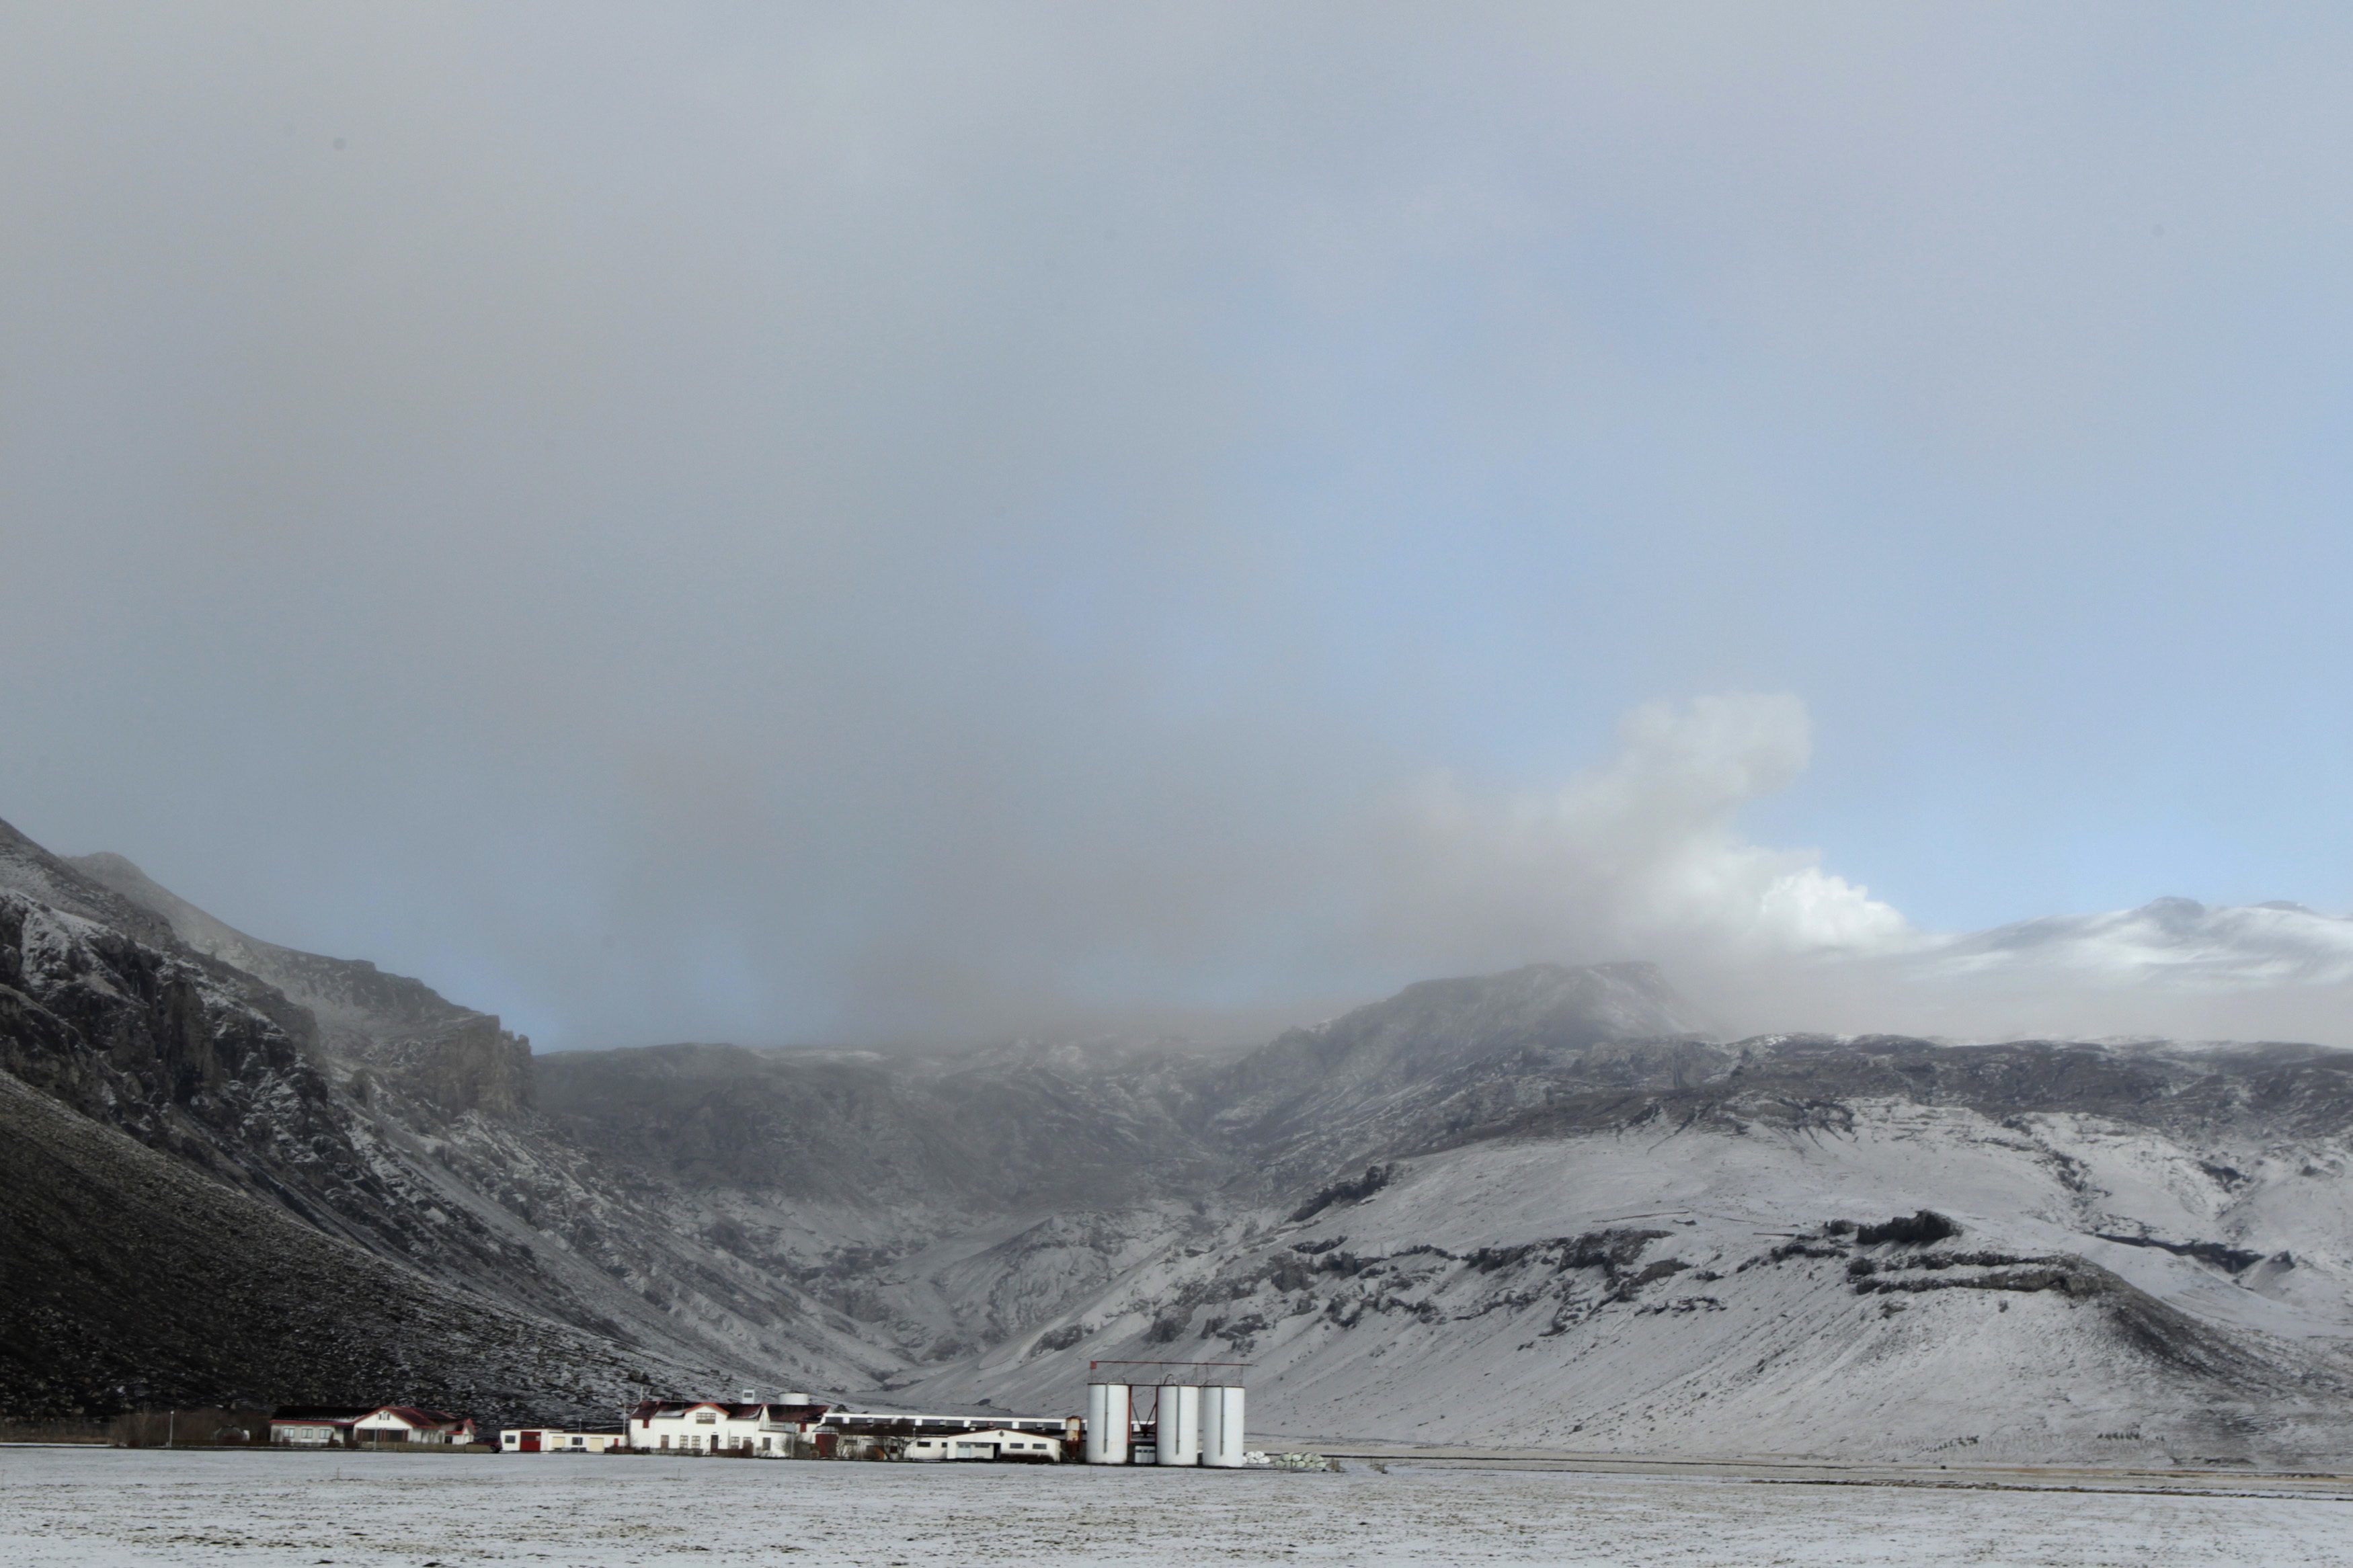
(2128, 1256)
(2169, 942)
(1543, 1206)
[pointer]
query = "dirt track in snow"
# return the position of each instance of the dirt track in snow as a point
(79, 1509)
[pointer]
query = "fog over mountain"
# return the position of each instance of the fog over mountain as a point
(770, 525)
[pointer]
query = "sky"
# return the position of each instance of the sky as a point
(841, 522)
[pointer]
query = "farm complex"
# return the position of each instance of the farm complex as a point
(1137, 1413)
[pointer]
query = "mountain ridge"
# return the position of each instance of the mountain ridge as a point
(1552, 1180)
(351, 998)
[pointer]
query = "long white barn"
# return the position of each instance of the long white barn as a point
(995, 1445)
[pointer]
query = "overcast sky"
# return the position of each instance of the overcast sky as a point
(854, 521)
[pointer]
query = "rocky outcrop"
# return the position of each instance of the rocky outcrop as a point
(471, 1064)
(149, 1041)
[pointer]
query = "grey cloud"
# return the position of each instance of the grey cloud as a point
(775, 523)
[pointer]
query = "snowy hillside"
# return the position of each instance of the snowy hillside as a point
(1539, 1207)
(1714, 1287)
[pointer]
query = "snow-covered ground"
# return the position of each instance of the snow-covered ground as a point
(84, 1509)
(1469, 1301)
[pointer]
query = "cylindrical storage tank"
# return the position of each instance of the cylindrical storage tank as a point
(1221, 1427)
(1107, 1418)
(1179, 1430)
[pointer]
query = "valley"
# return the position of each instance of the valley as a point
(1541, 1208)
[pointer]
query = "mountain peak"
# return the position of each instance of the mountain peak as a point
(1342, 1069)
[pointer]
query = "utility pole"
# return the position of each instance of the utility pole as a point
(170, 1426)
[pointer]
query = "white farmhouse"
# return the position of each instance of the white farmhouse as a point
(712, 1427)
(367, 1427)
(407, 1424)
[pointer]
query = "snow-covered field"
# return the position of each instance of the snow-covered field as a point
(79, 1509)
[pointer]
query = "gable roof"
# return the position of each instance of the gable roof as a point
(668, 1410)
(416, 1417)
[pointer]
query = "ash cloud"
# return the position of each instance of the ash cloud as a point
(782, 524)
(1642, 853)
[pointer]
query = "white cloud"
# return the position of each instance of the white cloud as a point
(1639, 855)
(1643, 855)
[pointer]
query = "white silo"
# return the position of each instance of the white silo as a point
(1179, 1429)
(1221, 1427)
(1107, 1419)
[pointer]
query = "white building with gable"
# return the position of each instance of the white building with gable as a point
(715, 1426)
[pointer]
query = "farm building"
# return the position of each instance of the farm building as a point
(999, 1444)
(366, 1426)
(799, 1426)
(714, 1427)
(314, 1426)
(556, 1440)
(407, 1424)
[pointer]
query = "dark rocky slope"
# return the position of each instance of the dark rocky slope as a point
(129, 1280)
(419, 1150)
